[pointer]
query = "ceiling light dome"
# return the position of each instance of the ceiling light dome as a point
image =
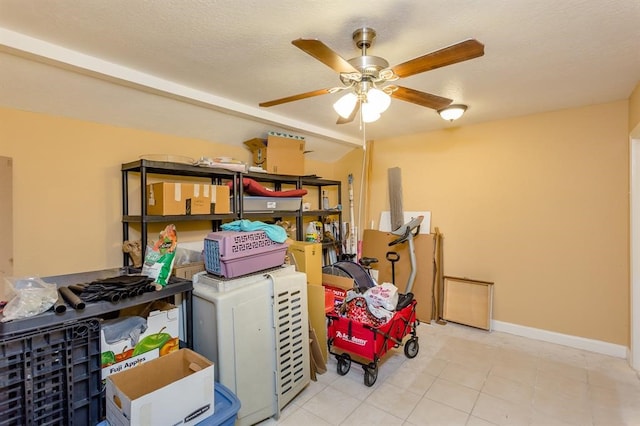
(378, 100)
(452, 112)
(345, 105)
(369, 113)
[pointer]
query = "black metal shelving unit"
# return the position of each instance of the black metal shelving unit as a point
(279, 183)
(321, 214)
(143, 168)
(299, 182)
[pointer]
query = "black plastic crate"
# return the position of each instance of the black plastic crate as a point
(52, 376)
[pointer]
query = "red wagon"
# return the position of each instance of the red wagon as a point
(371, 343)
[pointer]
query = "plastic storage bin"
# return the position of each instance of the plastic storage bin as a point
(227, 406)
(252, 203)
(52, 376)
(232, 253)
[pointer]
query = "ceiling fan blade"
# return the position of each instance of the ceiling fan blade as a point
(351, 117)
(420, 98)
(324, 54)
(295, 98)
(453, 54)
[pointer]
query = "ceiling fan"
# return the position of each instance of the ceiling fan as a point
(366, 76)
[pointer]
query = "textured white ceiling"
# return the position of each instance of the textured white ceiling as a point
(199, 68)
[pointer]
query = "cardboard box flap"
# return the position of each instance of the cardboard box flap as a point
(256, 143)
(195, 367)
(344, 283)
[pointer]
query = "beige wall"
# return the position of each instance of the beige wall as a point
(538, 205)
(67, 188)
(350, 164)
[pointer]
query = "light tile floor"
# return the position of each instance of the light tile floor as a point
(466, 376)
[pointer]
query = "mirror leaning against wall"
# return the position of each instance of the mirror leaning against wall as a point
(6, 216)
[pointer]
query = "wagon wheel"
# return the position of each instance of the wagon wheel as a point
(344, 364)
(370, 374)
(411, 348)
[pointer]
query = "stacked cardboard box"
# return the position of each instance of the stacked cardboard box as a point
(279, 153)
(169, 198)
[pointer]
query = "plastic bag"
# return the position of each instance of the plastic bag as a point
(117, 329)
(384, 296)
(185, 256)
(32, 297)
(158, 260)
(6, 293)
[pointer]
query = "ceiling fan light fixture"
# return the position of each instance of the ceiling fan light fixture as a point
(345, 105)
(369, 113)
(452, 112)
(366, 77)
(378, 100)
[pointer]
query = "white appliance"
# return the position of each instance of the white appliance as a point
(256, 333)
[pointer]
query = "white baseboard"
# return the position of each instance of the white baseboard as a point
(597, 346)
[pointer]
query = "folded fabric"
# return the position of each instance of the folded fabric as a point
(252, 187)
(274, 232)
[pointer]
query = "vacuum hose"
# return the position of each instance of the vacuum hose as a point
(71, 298)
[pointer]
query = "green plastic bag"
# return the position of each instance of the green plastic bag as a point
(159, 258)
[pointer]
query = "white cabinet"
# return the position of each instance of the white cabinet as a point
(256, 333)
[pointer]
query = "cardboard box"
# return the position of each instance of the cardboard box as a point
(219, 199)
(277, 154)
(307, 257)
(317, 316)
(188, 270)
(376, 244)
(174, 389)
(169, 198)
(337, 286)
(189, 259)
(165, 199)
(160, 337)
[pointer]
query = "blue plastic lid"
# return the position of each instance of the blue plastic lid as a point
(227, 406)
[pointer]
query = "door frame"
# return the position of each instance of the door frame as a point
(634, 248)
